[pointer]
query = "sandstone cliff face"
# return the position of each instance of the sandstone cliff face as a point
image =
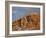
(30, 22)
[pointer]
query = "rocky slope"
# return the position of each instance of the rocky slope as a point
(30, 22)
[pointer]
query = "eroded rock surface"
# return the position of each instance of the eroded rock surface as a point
(30, 22)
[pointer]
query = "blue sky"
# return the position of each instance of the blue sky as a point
(18, 12)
